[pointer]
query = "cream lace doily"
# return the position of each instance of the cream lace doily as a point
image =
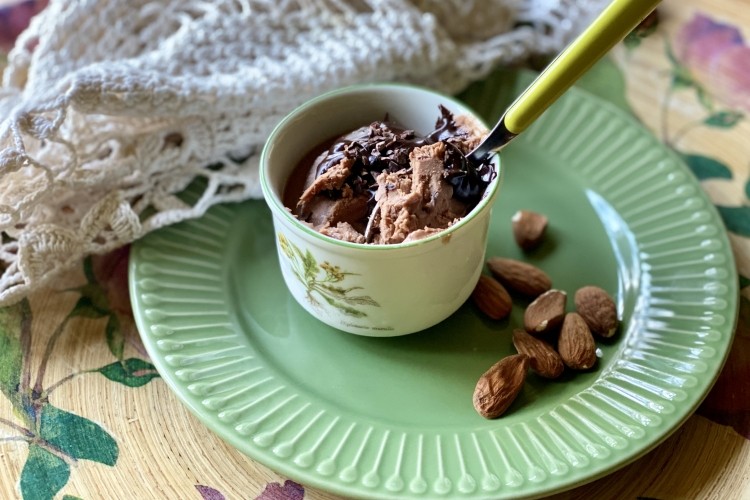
(110, 108)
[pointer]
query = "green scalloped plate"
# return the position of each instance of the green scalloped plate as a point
(387, 418)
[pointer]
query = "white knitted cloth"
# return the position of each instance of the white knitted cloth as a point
(110, 107)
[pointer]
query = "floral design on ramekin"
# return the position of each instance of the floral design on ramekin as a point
(324, 280)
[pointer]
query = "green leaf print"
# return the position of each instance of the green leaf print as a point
(724, 119)
(93, 302)
(344, 308)
(86, 307)
(11, 354)
(285, 246)
(115, 338)
(632, 41)
(361, 300)
(310, 265)
(737, 219)
(704, 98)
(43, 475)
(670, 53)
(338, 291)
(747, 188)
(646, 28)
(681, 77)
(77, 436)
(706, 168)
(58, 438)
(88, 270)
(132, 372)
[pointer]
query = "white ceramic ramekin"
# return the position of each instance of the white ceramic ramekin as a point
(373, 290)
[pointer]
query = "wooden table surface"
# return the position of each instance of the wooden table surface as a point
(113, 429)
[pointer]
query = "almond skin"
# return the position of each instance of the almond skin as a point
(492, 298)
(546, 312)
(598, 310)
(529, 228)
(543, 359)
(519, 276)
(498, 387)
(576, 345)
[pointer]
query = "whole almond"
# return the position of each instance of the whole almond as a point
(498, 387)
(519, 276)
(576, 345)
(529, 228)
(546, 312)
(543, 359)
(492, 298)
(598, 310)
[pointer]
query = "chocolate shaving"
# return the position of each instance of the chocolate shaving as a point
(385, 146)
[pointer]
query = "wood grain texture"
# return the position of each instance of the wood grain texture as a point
(701, 460)
(165, 453)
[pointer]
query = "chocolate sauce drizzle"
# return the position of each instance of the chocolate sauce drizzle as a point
(385, 146)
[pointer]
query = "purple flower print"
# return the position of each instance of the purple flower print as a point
(15, 18)
(290, 491)
(273, 491)
(716, 55)
(209, 493)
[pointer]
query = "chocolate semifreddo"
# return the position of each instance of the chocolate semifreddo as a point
(384, 184)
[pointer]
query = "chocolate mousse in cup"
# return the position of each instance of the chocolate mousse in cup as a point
(380, 229)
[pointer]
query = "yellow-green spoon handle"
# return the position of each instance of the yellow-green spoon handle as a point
(612, 25)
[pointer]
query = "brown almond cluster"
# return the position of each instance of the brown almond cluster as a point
(552, 338)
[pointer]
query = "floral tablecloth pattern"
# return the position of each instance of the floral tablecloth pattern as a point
(83, 411)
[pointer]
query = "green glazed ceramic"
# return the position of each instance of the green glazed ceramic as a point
(392, 417)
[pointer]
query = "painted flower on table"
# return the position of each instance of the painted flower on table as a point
(273, 491)
(718, 57)
(713, 58)
(288, 491)
(14, 18)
